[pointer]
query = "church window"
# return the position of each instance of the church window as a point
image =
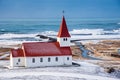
(18, 60)
(16, 63)
(56, 58)
(67, 58)
(33, 60)
(41, 59)
(48, 59)
(64, 39)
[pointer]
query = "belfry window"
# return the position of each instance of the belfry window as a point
(64, 39)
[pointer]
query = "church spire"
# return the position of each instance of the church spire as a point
(63, 31)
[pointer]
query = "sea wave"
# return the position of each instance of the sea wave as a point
(117, 31)
(87, 31)
(13, 38)
(51, 33)
(8, 43)
(94, 31)
(73, 32)
(118, 23)
(11, 35)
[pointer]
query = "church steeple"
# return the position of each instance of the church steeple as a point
(63, 31)
(63, 36)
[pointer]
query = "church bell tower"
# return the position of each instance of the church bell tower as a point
(63, 36)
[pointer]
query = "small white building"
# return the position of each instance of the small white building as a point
(38, 54)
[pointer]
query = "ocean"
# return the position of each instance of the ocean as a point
(23, 30)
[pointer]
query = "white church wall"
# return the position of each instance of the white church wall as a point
(17, 61)
(37, 63)
(68, 60)
(63, 41)
(11, 60)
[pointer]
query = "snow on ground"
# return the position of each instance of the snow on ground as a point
(4, 56)
(86, 71)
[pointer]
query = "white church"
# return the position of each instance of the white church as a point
(40, 54)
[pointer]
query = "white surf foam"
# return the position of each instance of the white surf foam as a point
(96, 37)
(10, 35)
(95, 31)
(117, 31)
(8, 43)
(8, 39)
(87, 31)
(54, 33)
(49, 33)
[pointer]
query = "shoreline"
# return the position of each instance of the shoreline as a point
(76, 53)
(109, 64)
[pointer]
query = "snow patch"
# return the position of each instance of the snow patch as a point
(86, 71)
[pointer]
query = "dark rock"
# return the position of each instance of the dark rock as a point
(109, 70)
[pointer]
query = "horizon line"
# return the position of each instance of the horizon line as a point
(59, 18)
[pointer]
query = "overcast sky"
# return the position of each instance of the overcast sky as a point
(53, 8)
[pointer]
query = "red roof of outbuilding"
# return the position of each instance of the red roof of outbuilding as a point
(17, 52)
(63, 32)
(35, 49)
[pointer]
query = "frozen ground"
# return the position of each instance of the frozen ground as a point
(86, 71)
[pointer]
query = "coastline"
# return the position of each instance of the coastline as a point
(75, 47)
(106, 62)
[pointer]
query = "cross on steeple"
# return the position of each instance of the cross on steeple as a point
(63, 12)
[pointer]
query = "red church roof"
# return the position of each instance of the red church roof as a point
(63, 32)
(66, 50)
(35, 49)
(17, 52)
